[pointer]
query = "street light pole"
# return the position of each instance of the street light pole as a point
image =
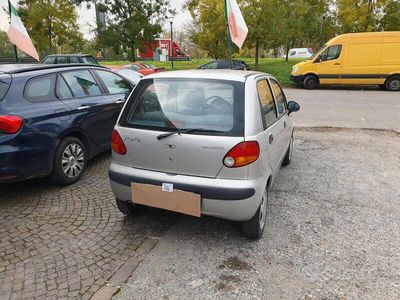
(322, 30)
(172, 46)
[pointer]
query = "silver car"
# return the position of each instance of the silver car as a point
(203, 143)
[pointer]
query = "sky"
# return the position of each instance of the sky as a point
(87, 18)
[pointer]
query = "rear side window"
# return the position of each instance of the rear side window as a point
(5, 81)
(91, 60)
(225, 65)
(74, 60)
(115, 84)
(62, 60)
(82, 83)
(215, 106)
(279, 96)
(40, 89)
(212, 65)
(267, 102)
(62, 90)
(135, 67)
(49, 60)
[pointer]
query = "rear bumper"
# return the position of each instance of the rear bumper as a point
(19, 163)
(230, 199)
(297, 78)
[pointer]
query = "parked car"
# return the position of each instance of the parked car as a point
(220, 136)
(300, 53)
(370, 58)
(132, 76)
(225, 64)
(70, 59)
(143, 69)
(53, 118)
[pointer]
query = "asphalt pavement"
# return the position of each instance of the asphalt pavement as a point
(347, 108)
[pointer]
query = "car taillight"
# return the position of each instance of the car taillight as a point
(117, 143)
(242, 154)
(10, 124)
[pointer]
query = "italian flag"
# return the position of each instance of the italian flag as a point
(237, 26)
(18, 35)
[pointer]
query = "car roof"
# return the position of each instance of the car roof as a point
(221, 74)
(22, 68)
(69, 55)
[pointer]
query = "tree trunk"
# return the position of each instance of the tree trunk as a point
(257, 54)
(287, 51)
(133, 56)
(50, 34)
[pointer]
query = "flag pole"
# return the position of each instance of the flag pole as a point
(228, 36)
(15, 47)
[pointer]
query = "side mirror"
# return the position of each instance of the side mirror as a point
(293, 106)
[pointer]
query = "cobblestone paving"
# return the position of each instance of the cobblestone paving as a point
(65, 242)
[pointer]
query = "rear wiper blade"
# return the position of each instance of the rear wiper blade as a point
(185, 130)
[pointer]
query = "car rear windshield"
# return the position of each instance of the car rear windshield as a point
(91, 60)
(5, 81)
(213, 106)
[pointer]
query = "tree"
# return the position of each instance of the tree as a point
(262, 19)
(360, 15)
(211, 33)
(51, 24)
(391, 16)
(135, 22)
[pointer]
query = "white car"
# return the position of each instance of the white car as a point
(203, 142)
(300, 53)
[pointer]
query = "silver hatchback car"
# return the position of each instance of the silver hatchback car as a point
(202, 143)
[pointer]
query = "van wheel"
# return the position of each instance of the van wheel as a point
(311, 82)
(70, 161)
(130, 209)
(288, 156)
(393, 83)
(254, 228)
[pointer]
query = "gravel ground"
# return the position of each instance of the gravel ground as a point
(333, 232)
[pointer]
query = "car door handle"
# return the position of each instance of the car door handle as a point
(270, 138)
(337, 64)
(120, 101)
(83, 107)
(284, 124)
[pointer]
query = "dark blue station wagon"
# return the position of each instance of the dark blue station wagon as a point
(53, 118)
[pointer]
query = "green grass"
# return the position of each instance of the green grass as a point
(277, 67)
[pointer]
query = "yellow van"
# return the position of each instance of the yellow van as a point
(367, 58)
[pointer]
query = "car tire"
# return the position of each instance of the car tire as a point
(311, 82)
(393, 83)
(288, 156)
(130, 209)
(70, 161)
(254, 228)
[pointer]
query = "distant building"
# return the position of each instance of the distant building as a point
(159, 50)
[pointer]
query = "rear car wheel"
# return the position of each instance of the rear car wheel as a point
(311, 82)
(130, 209)
(393, 83)
(254, 228)
(288, 156)
(69, 161)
